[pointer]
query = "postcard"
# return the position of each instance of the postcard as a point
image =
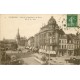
(39, 39)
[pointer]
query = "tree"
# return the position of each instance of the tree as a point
(43, 58)
(14, 46)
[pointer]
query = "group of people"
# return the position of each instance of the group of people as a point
(4, 58)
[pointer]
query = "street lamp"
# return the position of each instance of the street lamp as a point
(49, 52)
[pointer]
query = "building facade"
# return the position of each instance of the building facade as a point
(21, 41)
(62, 45)
(52, 38)
(30, 42)
(48, 37)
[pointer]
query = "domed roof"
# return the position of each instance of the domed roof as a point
(52, 21)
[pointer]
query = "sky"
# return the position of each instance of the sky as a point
(28, 24)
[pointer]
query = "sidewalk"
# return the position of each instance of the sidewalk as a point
(55, 60)
(59, 61)
(39, 60)
(38, 57)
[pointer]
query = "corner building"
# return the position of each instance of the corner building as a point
(48, 36)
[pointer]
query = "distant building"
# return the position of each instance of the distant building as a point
(7, 43)
(73, 44)
(21, 41)
(36, 41)
(26, 43)
(31, 42)
(62, 45)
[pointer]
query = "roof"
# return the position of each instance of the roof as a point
(63, 37)
(52, 21)
(23, 38)
(30, 38)
(60, 31)
(72, 36)
(9, 40)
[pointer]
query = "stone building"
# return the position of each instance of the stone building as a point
(52, 38)
(36, 41)
(62, 45)
(69, 44)
(48, 37)
(30, 42)
(73, 44)
(9, 44)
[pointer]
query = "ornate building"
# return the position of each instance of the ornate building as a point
(48, 37)
(30, 42)
(52, 38)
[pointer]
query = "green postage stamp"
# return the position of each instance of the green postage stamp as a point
(72, 20)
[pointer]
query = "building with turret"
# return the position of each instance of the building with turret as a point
(48, 36)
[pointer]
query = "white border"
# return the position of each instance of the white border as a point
(30, 72)
(39, 6)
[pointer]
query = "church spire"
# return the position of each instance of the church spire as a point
(18, 35)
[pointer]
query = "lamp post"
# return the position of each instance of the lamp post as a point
(49, 52)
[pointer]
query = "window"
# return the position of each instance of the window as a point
(77, 42)
(59, 41)
(78, 46)
(62, 41)
(62, 46)
(72, 47)
(69, 46)
(65, 46)
(50, 40)
(49, 34)
(65, 41)
(75, 46)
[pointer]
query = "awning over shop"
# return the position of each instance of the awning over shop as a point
(51, 52)
(47, 52)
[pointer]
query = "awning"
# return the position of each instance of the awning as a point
(51, 52)
(47, 52)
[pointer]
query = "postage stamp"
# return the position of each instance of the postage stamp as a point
(72, 20)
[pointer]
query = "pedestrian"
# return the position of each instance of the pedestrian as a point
(8, 59)
(3, 59)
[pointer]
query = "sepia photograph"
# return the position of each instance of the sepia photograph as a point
(39, 39)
